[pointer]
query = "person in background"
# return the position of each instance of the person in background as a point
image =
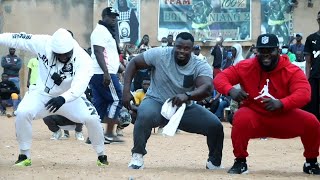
(144, 43)
(312, 56)
(12, 64)
(8, 95)
(251, 52)
(33, 72)
(197, 52)
(219, 53)
(170, 40)
(105, 85)
(298, 48)
(164, 42)
(285, 51)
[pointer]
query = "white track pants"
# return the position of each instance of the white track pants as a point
(80, 110)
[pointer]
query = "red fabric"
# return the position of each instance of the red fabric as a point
(248, 124)
(216, 71)
(287, 83)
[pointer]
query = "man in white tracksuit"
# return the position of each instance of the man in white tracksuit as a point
(64, 73)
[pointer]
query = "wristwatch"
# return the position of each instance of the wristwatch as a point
(188, 94)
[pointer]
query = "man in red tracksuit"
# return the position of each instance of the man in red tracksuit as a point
(272, 92)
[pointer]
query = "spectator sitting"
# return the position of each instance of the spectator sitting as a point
(9, 95)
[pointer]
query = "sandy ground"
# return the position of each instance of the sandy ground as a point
(180, 157)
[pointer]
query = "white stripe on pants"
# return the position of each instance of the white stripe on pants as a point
(32, 107)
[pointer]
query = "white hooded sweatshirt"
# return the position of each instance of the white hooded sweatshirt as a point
(76, 73)
(239, 56)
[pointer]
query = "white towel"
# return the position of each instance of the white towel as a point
(174, 117)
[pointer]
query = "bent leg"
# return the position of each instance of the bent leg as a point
(51, 123)
(197, 119)
(148, 117)
(30, 108)
(84, 112)
(245, 126)
(301, 123)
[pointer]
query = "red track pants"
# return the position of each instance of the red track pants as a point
(248, 124)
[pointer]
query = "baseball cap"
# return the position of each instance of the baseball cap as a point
(196, 47)
(62, 41)
(299, 35)
(267, 41)
(109, 11)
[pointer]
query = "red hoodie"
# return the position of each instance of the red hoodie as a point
(287, 82)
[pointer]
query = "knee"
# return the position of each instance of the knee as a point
(144, 118)
(24, 114)
(241, 120)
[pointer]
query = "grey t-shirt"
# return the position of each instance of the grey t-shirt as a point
(168, 78)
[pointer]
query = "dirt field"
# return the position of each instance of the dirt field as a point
(180, 157)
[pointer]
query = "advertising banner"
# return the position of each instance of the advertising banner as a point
(206, 19)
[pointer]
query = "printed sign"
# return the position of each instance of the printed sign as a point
(206, 19)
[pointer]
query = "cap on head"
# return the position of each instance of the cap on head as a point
(62, 41)
(109, 11)
(299, 35)
(196, 47)
(267, 41)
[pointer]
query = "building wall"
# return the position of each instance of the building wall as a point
(80, 16)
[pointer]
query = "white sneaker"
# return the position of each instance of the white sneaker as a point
(79, 136)
(56, 135)
(136, 161)
(210, 166)
(160, 130)
(119, 132)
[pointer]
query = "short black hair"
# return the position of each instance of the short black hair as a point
(318, 12)
(170, 35)
(185, 36)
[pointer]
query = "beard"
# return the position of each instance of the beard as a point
(272, 66)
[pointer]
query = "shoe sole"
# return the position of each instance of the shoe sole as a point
(23, 164)
(245, 172)
(141, 167)
(100, 164)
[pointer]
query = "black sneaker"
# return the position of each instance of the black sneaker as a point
(102, 160)
(105, 141)
(238, 167)
(311, 168)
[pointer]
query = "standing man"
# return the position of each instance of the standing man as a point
(12, 64)
(106, 89)
(272, 92)
(219, 53)
(177, 75)
(312, 56)
(65, 70)
(33, 72)
(170, 40)
(298, 48)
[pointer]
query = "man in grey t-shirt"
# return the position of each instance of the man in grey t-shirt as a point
(177, 75)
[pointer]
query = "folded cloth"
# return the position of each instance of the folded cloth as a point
(167, 111)
(174, 117)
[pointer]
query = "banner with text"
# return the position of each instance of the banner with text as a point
(206, 19)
